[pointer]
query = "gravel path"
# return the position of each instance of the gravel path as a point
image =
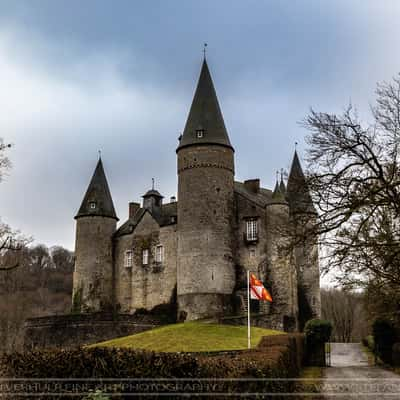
(350, 377)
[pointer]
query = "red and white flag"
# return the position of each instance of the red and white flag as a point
(257, 290)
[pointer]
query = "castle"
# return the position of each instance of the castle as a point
(194, 251)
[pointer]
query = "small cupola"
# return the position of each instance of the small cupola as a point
(152, 200)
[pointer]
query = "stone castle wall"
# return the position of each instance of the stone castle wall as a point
(93, 277)
(206, 275)
(146, 286)
(81, 329)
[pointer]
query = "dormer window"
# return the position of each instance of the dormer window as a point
(92, 205)
(199, 133)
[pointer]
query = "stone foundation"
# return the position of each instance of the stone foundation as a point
(81, 329)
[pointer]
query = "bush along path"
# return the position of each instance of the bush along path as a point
(256, 372)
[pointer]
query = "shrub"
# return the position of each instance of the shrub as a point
(317, 332)
(276, 357)
(384, 335)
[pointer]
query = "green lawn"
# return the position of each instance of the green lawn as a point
(191, 336)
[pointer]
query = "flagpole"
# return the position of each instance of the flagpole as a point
(248, 310)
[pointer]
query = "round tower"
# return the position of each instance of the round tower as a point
(205, 275)
(282, 272)
(95, 225)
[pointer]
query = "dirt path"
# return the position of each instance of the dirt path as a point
(350, 377)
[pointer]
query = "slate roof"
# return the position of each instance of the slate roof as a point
(164, 218)
(153, 192)
(205, 114)
(297, 191)
(98, 194)
(262, 198)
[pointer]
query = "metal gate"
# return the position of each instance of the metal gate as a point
(328, 354)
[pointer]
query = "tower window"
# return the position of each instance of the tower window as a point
(128, 259)
(92, 205)
(145, 257)
(159, 254)
(251, 230)
(199, 133)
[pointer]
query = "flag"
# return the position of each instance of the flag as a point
(257, 290)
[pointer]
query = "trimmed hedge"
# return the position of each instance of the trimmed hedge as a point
(317, 332)
(384, 334)
(277, 356)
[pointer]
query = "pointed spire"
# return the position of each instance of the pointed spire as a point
(297, 190)
(97, 200)
(282, 186)
(205, 124)
(277, 195)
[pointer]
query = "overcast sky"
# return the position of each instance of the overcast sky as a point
(79, 76)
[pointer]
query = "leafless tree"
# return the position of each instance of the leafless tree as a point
(354, 178)
(345, 310)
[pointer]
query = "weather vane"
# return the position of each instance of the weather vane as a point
(152, 183)
(204, 50)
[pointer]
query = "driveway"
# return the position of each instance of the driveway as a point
(350, 376)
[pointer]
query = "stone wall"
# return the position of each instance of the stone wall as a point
(146, 286)
(307, 264)
(93, 273)
(205, 236)
(76, 330)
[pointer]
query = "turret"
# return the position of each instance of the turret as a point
(206, 276)
(95, 225)
(282, 271)
(303, 218)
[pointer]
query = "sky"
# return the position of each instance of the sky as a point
(77, 77)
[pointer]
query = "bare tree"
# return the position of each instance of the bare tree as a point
(345, 310)
(354, 179)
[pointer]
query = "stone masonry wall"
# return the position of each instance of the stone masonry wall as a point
(309, 293)
(80, 329)
(205, 237)
(280, 267)
(93, 273)
(146, 286)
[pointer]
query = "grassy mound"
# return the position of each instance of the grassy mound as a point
(191, 337)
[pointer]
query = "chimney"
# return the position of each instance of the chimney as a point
(252, 185)
(173, 199)
(133, 207)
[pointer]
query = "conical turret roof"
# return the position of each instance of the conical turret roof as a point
(97, 200)
(297, 191)
(277, 196)
(205, 124)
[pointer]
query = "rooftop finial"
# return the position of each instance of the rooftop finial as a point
(152, 183)
(277, 175)
(281, 174)
(295, 145)
(204, 50)
(99, 154)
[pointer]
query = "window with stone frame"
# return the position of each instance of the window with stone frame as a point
(251, 229)
(145, 257)
(159, 253)
(128, 259)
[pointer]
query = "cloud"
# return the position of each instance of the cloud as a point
(58, 121)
